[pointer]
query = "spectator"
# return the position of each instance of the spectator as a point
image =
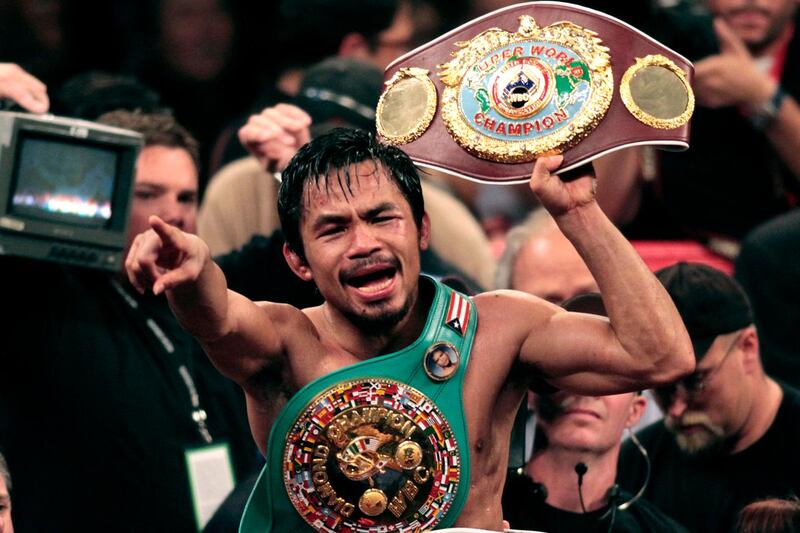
(747, 86)
(102, 386)
(773, 515)
(200, 67)
(768, 269)
(6, 525)
(578, 438)
(540, 260)
(730, 434)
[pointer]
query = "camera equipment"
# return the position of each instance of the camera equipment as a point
(65, 189)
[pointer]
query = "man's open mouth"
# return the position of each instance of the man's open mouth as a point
(372, 280)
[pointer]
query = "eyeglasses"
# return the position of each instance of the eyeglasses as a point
(696, 383)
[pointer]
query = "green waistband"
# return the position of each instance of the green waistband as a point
(269, 507)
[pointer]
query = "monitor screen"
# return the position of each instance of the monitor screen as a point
(64, 181)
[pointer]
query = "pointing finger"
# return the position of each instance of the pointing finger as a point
(170, 235)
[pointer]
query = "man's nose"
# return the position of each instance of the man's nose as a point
(678, 403)
(364, 241)
(173, 212)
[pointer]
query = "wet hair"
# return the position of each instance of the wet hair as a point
(772, 515)
(335, 152)
(158, 129)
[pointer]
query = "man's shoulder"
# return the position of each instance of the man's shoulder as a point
(650, 518)
(790, 404)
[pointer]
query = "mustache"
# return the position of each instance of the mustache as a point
(360, 264)
(692, 418)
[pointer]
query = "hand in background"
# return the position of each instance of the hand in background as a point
(23, 88)
(274, 135)
(731, 77)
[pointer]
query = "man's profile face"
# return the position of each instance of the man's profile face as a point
(702, 421)
(6, 526)
(592, 424)
(166, 185)
(756, 22)
(362, 246)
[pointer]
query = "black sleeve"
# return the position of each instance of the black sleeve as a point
(259, 271)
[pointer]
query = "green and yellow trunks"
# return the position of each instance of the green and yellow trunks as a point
(378, 446)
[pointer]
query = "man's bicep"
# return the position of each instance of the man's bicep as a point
(580, 353)
(255, 339)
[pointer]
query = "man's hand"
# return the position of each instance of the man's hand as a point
(556, 195)
(274, 135)
(731, 77)
(23, 88)
(165, 257)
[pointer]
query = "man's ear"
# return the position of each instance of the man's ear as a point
(297, 264)
(748, 343)
(637, 410)
(425, 232)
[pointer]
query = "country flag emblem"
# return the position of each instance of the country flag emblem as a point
(457, 317)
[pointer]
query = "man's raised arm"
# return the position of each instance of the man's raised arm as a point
(644, 343)
(239, 336)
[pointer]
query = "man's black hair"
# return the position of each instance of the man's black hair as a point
(333, 154)
(91, 94)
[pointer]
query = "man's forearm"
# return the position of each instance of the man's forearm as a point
(202, 307)
(784, 134)
(641, 312)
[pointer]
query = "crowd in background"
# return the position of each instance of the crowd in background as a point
(244, 79)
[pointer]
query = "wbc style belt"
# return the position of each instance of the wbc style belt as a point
(379, 446)
(485, 100)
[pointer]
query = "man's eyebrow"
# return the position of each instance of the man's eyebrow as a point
(148, 184)
(324, 220)
(380, 208)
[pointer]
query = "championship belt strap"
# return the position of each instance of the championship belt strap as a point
(486, 99)
(377, 446)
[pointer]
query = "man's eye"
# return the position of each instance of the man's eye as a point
(332, 231)
(189, 198)
(382, 219)
(144, 195)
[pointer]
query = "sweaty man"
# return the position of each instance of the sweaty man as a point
(354, 220)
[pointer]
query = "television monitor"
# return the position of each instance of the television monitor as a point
(65, 189)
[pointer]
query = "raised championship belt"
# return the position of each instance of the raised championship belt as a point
(378, 446)
(486, 99)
